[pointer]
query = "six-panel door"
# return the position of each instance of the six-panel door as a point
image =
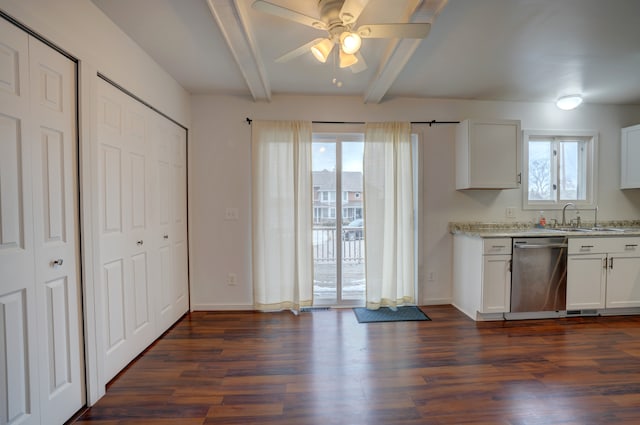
(143, 239)
(125, 238)
(41, 368)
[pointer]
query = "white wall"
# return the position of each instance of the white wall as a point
(221, 177)
(81, 29)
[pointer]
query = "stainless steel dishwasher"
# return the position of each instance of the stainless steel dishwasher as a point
(539, 274)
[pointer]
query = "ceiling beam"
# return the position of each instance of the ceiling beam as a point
(231, 17)
(399, 52)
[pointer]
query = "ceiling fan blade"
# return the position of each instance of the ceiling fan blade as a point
(411, 30)
(305, 48)
(351, 10)
(292, 15)
(359, 66)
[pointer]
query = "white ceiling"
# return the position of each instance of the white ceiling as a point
(523, 50)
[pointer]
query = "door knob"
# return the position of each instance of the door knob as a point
(57, 262)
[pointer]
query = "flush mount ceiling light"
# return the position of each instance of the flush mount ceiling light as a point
(567, 103)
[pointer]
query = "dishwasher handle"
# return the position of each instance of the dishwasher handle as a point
(540, 246)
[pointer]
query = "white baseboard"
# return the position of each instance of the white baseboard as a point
(619, 311)
(222, 307)
(437, 301)
(469, 314)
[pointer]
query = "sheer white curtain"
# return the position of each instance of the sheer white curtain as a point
(282, 215)
(389, 216)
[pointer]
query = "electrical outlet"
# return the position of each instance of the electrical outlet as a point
(231, 214)
(232, 279)
(510, 212)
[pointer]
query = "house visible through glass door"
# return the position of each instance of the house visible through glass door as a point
(338, 220)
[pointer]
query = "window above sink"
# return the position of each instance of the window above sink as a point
(559, 167)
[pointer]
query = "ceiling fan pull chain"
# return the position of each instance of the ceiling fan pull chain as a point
(335, 80)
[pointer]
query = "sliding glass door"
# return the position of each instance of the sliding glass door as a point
(338, 220)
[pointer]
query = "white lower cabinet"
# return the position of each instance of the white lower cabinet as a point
(482, 275)
(496, 283)
(603, 273)
(586, 281)
(623, 279)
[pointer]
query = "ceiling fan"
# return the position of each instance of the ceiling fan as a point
(338, 18)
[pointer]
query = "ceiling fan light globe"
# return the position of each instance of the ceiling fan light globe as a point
(346, 60)
(321, 50)
(350, 42)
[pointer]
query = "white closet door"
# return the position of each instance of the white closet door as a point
(41, 365)
(55, 209)
(18, 335)
(170, 142)
(125, 239)
(162, 141)
(178, 235)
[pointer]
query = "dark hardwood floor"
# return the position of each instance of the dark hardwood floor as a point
(326, 368)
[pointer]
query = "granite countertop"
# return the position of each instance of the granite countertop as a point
(527, 229)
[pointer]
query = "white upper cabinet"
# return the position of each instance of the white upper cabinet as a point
(629, 157)
(488, 154)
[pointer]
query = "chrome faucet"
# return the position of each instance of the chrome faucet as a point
(564, 210)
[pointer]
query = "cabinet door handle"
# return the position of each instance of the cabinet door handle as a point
(611, 263)
(140, 242)
(586, 246)
(57, 262)
(631, 246)
(165, 237)
(500, 246)
(604, 263)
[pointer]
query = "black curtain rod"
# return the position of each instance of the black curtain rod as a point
(249, 120)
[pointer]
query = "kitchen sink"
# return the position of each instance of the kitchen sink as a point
(572, 229)
(589, 229)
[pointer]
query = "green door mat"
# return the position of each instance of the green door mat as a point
(385, 314)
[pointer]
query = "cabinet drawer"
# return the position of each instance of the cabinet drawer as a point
(625, 245)
(603, 245)
(497, 246)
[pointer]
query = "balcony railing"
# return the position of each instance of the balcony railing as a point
(324, 244)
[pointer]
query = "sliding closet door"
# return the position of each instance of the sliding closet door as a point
(55, 208)
(125, 238)
(143, 239)
(41, 365)
(18, 330)
(170, 141)
(178, 228)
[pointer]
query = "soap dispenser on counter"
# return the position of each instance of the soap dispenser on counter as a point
(541, 222)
